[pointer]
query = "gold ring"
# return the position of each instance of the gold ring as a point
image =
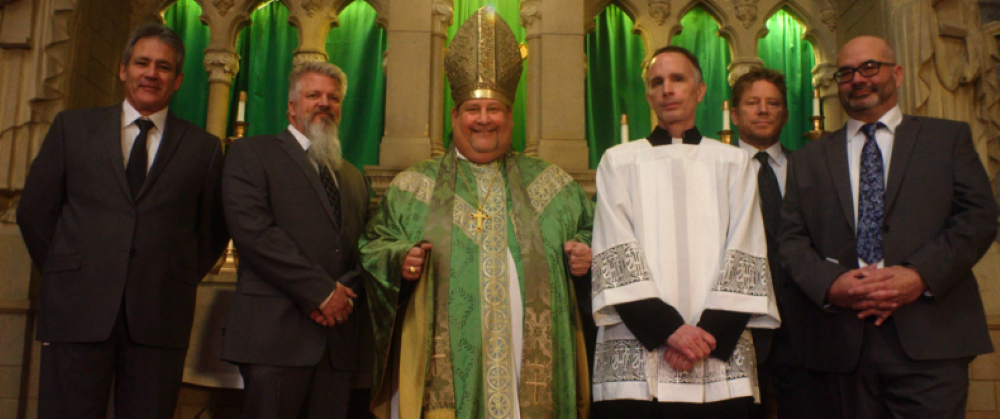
(413, 270)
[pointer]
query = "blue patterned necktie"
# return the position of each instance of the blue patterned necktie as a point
(871, 195)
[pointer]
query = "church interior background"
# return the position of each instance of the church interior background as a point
(582, 80)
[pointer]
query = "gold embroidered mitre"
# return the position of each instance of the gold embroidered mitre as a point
(483, 60)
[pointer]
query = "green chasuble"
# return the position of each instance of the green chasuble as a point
(432, 338)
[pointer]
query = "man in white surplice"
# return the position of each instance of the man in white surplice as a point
(680, 264)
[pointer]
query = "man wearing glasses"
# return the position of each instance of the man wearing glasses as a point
(883, 221)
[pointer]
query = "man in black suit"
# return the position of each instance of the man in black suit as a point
(122, 214)
(760, 110)
(882, 223)
(295, 209)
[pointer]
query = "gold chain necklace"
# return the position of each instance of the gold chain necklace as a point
(479, 216)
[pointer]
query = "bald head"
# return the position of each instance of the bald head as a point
(872, 44)
(868, 78)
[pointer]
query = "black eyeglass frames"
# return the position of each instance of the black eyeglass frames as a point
(867, 69)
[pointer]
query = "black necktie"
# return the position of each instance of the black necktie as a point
(331, 192)
(770, 194)
(138, 159)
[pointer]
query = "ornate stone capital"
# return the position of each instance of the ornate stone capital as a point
(659, 10)
(530, 13)
(305, 57)
(443, 14)
(221, 66)
(746, 12)
(823, 74)
(311, 6)
(223, 6)
(740, 67)
(829, 17)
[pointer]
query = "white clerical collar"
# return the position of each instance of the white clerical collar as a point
(890, 119)
(775, 151)
(130, 115)
(300, 137)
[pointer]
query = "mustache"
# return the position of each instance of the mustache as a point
(865, 86)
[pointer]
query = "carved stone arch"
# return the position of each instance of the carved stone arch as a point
(381, 11)
(726, 29)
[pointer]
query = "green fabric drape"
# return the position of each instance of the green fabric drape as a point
(700, 36)
(190, 102)
(266, 50)
(614, 83)
(783, 49)
(510, 11)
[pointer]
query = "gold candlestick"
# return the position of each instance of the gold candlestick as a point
(230, 260)
(817, 131)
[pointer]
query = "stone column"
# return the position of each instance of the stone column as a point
(556, 87)
(225, 19)
(822, 33)
(410, 75)
(313, 19)
(443, 14)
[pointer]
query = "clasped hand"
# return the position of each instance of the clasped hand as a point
(688, 345)
(337, 309)
(876, 291)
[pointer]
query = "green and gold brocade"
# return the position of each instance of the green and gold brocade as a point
(466, 365)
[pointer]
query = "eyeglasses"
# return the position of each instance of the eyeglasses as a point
(867, 69)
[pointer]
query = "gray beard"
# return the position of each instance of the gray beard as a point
(325, 148)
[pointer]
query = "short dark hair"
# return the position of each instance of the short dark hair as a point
(161, 32)
(680, 50)
(759, 74)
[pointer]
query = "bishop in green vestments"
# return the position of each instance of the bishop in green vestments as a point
(471, 257)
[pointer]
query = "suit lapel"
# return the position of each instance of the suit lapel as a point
(295, 151)
(836, 157)
(173, 132)
(111, 135)
(905, 138)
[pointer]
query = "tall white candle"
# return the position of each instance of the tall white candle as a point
(816, 104)
(624, 128)
(725, 115)
(242, 112)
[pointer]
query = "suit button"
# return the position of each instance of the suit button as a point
(336, 250)
(130, 214)
(885, 228)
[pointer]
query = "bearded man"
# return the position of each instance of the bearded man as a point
(882, 222)
(471, 256)
(295, 209)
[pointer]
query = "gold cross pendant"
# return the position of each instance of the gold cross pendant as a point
(479, 217)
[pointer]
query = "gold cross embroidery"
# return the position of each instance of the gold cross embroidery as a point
(536, 383)
(437, 358)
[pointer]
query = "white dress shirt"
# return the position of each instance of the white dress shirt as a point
(776, 158)
(130, 130)
(856, 142)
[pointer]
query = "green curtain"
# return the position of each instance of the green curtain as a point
(783, 49)
(190, 102)
(510, 11)
(700, 36)
(266, 49)
(614, 83)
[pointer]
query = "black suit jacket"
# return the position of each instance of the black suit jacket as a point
(291, 255)
(939, 218)
(763, 339)
(95, 244)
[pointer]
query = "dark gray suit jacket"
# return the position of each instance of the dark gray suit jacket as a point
(94, 243)
(939, 218)
(291, 256)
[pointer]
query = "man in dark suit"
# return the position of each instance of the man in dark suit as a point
(883, 221)
(760, 110)
(295, 209)
(122, 214)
